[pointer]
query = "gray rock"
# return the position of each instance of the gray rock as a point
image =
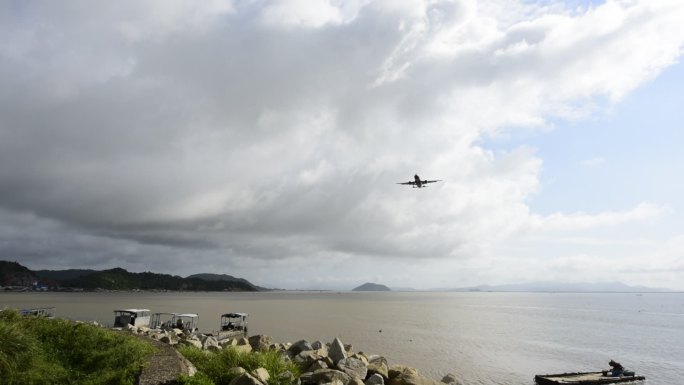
(236, 371)
(170, 339)
(378, 365)
(261, 374)
(245, 379)
(300, 346)
(317, 365)
(317, 345)
(450, 379)
(306, 358)
(409, 378)
(336, 351)
(191, 342)
(397, 370)
(306, 378)
(286, 376)
(375, 379)
(242, 341)
(355, 381)
(260, 342)
(328, 375)
(353, 367)
(241, 348)
(210, 342)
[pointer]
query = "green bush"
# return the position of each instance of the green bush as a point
(215, 365)
(36, 350)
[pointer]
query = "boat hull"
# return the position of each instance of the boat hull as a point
(587, 378)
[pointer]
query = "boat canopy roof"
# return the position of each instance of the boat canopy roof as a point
(191, 315)
(132, 310)
(234, 315)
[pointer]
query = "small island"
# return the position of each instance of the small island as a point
(368, 286)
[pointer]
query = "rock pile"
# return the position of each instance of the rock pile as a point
(321, 364)
(337, 364)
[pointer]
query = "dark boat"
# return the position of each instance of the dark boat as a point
(587, 378)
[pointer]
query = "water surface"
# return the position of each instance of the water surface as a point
(483, 338)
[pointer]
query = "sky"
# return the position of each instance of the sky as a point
(265, 140)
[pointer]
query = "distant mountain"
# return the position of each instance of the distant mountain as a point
(610, 287)
(14, 274)
(371, 287)
(223, 278)
(62, 275)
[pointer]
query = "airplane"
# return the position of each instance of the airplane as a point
(417, 183)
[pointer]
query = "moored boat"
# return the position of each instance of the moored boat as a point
(188, 322)
(135, 317)
(586, 378)
(233, 325)
(46, 312)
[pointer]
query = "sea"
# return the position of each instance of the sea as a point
(480, 337)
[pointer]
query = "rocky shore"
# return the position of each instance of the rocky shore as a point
(321, 363)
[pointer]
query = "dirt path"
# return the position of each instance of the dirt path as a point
(164, 366)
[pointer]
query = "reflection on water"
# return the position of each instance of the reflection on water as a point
(483, 338)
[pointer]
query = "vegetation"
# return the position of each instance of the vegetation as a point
(14, 274)
(213, 367)
(37, 351)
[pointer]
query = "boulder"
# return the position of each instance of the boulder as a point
(228, 342)
(288, 377)
(317, 345)
(242, 341)
(397, 370)
(329, 375)
(336, 351)
(260, 342)
(299, 346)
(353, 367)
(236, 371)
(194, 343)
(242, 348)
(170, 339)
(306, 358)
(360, 356)
(261, 374)
(412, 379)
(375, 379)
(356, 381)
(450, 379)
(378, 365)
(210, 342)
(317, 365)
(245, 379)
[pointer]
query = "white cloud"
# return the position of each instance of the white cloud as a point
(277, 131)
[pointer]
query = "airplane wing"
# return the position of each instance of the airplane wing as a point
(430, 181)
(411, 183)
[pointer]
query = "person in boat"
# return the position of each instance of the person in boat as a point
(616, 369)
(179, 324)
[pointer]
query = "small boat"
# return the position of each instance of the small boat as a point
(135, 317)
(233, 325)
(46, 312)
(587, 378)
(184, 321)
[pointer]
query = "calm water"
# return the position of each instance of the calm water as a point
(483, 338)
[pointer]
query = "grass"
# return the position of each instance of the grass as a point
(213, 367)
(36, 351)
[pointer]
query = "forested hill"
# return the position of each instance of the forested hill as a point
(13, 273)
